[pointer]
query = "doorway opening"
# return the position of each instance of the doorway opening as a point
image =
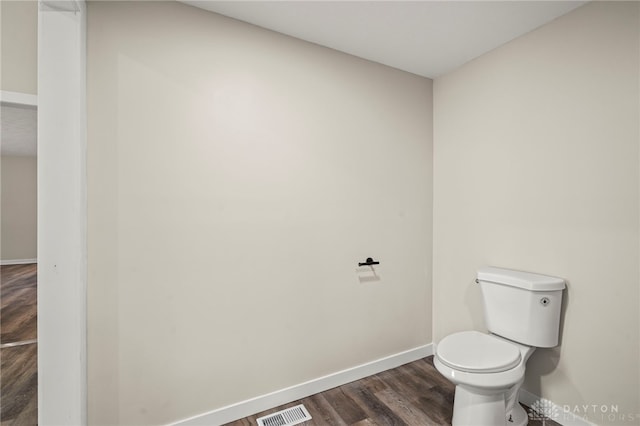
(18, 254)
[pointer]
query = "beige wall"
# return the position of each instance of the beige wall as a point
(18, 208)
(236, 177)
(19, 46)
(536, 168)
(18, 71)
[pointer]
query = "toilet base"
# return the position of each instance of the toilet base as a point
(482, 407)
(518, 416)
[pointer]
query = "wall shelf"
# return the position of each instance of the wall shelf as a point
(17, 98)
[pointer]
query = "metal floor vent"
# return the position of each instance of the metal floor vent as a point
(288, 417)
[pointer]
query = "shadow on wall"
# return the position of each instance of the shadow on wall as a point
(546, 360)
(473, 301)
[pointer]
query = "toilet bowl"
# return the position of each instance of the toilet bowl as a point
(488, 372)
(522, 312)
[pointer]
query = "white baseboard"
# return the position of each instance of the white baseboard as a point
(17, 261)
(255, 405)
(562, 416)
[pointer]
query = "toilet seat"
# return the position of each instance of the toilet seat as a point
(476, 352)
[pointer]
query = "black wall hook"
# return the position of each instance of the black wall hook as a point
(368, 262)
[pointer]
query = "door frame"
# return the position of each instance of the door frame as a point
(62, 213)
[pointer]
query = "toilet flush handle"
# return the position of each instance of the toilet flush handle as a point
(368, 262)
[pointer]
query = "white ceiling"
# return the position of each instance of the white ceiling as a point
(428, 38)
(19, 130)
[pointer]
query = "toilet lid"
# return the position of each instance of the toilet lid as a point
(476, 352)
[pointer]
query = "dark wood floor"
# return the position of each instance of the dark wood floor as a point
(414, 394)
(18, 300)
(18, 364)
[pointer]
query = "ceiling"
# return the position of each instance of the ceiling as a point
(19, 130)
(428, 38)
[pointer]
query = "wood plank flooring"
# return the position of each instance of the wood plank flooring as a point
(415, 394)
(19, 388)
(18, 300)
(18, 364)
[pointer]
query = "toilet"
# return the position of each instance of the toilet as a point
(522, 313)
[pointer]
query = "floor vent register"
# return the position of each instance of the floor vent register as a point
(288, 417)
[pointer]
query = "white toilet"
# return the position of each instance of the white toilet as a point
(522, 312)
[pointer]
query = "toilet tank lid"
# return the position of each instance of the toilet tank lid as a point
(525, 280)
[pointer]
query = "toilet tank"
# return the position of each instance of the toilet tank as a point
(522, 306)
